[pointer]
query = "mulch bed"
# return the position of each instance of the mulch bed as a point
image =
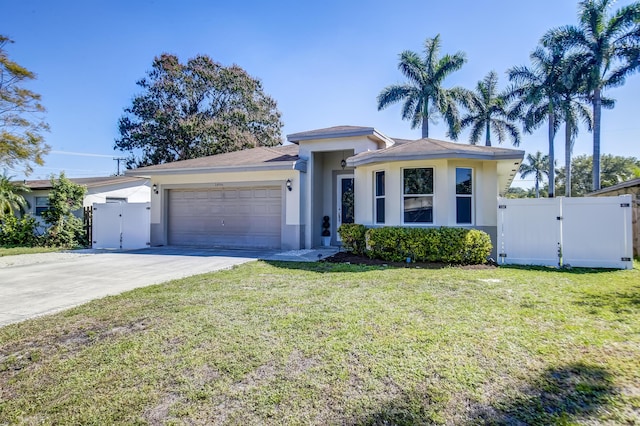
(348, 257)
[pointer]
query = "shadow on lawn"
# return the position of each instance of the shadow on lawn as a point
(567, 394)
(617, 301)
(568, 270)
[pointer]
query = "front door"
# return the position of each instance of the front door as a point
(344, 202)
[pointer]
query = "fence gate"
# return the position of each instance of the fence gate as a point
(589, 232)
(121, 225)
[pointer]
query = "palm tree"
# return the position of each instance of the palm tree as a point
(10, 198)
(487, 111)
(609, 47)
(538, 98)
(423, 94)
(538, 166)
(573, 108)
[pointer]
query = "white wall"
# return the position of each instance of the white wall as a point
(484, 189)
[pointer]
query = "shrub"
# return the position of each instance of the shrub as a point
(448, 245)
(64, 229)
(352, 236)
(19, 231)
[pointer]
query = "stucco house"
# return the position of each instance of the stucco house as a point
(103, 189)
(276, 197)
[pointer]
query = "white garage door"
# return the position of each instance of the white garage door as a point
(239, 217)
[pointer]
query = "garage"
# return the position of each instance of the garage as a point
(233, 217)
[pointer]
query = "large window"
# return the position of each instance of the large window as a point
(42, 205)
(418, 195)
(379, 197)
(464, 195)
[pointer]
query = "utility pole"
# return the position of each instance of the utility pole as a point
(118, 160)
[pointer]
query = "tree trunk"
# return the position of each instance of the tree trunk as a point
(597, 110)
(425, 120)
(552, 175)
(568, 146)
(488, 141)
(537, 186)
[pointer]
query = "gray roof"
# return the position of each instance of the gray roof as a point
(336, 132)
(428, 148)
(278, 157)
(621, 185)
(89, 182)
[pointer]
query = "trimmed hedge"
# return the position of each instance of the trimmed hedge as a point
(396, 244)
(353, 237)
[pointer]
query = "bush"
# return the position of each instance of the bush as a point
(352, 236)
(19, 231)
(448, 245)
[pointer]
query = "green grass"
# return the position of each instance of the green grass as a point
(287, 343)
(12, 251)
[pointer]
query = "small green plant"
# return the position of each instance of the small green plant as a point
(16, 231)
(64, 229)
(353, 238)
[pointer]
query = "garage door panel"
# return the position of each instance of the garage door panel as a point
(226, 217)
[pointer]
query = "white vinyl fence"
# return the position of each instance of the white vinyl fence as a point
(121, 225)
(588, 232)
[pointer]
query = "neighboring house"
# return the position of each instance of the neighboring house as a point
(631, 187)
(277, 197)
(99, 190)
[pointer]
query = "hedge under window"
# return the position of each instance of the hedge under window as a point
(417, 195)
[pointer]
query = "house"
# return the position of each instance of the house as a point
(99, 190)
(277, 197)
(631, 187)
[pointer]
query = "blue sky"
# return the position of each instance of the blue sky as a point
(323, 62)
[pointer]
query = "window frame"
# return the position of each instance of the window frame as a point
(470, 196)
(39, 209)
(431, 196)
(377, 196)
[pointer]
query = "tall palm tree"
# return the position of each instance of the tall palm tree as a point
(536, 165)
(423, 94)
(609, 46)
(488, 110)
(573, 109)
(538, 98)
(10, 198)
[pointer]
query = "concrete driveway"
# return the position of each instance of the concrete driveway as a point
(37, 284)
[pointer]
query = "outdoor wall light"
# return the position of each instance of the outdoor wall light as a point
(289, 187)
(343, 163)
(155, 188)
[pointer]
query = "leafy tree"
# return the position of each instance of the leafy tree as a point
(608, 47)
(423, 94)
(488, 110)
(536, 165)
(615, 169)
(196, 109)
(21, 128)
(537, 91)
(11, 199)
(64, 229)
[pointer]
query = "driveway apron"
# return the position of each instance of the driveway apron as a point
(37, 284)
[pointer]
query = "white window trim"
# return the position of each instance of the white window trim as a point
(376, 197)
(472, 195)
(433, 197)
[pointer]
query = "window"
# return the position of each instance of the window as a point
(464, 195)
(42, 205)
(418, 195)
(379, 197)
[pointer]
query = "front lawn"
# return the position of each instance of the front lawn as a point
(287, 343)
(12, 251)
